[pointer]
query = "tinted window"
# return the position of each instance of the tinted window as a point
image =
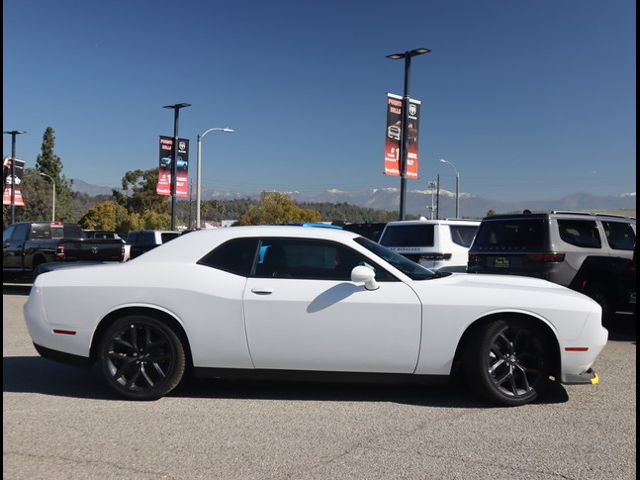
(41, 231)
(516, 234)
(310, 259)
(166, 237)
(21, 232)
(132, 238)
(408, 236)
(235, 256)
(67, 231)
(620, 235)
(580, 233)
(6, 235)
(146, 238)
(463, 235)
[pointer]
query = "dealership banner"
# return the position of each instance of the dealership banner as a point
(182, 167)
(6, 176)
(394, 134)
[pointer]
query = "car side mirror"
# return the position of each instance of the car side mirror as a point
(366, 275)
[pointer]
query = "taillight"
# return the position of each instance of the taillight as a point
(60, 251)
(122, 252)
(436, 256)
(546, 257)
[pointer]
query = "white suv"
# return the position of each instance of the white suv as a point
(437, 244)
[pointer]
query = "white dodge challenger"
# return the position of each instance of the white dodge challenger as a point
(310, 303)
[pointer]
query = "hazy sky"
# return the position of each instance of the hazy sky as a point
(530, 99)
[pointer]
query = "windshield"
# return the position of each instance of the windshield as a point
(406, 266)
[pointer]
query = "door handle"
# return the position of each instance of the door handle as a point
(261, 291)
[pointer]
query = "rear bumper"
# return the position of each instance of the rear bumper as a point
(62, 357)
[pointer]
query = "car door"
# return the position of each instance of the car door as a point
(302, 312)
(13, 252)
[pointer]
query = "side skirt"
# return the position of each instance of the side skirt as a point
(319, 376)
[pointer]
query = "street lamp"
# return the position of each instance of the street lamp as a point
(199, 169)
(13, 134)
(176, 113)
(53, 199)
(442, 160)
(404, 121)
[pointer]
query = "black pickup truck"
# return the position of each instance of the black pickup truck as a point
(27, 245)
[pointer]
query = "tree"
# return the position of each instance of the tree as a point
(36, 192)
(112, 217)
(49, 163)
(141, 188)
(275, 209)
(491, 213)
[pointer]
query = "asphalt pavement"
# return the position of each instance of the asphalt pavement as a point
(61, 422)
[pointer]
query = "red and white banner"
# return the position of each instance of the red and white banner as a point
(182, 167)
(6, 175)
(394, 134)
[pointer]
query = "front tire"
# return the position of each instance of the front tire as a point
(141, 358)
(508, 362)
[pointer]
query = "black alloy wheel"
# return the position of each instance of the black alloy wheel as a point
(141, 357)
(508, 363)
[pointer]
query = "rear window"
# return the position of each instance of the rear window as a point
(580, 233)
(235, 256)
(620, 235)
(166, 237)
(513, 235)
(463, 235)
(408, 236)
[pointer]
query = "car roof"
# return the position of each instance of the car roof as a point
(446, 221)
(197, 244)
(558, 214)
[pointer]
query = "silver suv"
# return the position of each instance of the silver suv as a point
(589, 253)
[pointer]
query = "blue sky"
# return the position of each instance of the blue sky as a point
(528, 99)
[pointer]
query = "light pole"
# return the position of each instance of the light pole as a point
(442, 160)
(403, 122)
(13, 134)
(199, 169)
(174, 170)
(53, 198)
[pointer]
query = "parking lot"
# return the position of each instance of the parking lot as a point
(62, 422)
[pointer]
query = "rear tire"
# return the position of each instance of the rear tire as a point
(508, 362)
(141, 358)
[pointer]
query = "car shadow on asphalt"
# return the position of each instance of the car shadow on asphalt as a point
(37, 375)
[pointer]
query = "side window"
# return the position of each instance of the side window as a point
(6, 235)
(463, 235)
(235, 256)
(310, 260)
(132, 238)
(21, 233)
(620, 235)
(580, 233)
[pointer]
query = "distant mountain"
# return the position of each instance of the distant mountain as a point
(81, 186)
(471, 205)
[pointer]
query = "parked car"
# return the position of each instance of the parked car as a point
(103, 234)
(436, 244)
(27, 245)
(589, 253)
(285, 301)
(372, 231)
(142, 241)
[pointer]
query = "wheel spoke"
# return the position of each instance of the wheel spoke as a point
(118, 356)
(504, 378)
(147, 337)
(158, 369)
(122, 369)
(523, 373)
(514, 387)
(146, 376)
(131, 382)
(122, 342)
(507, 341)
(134, 336)
(493, 367)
